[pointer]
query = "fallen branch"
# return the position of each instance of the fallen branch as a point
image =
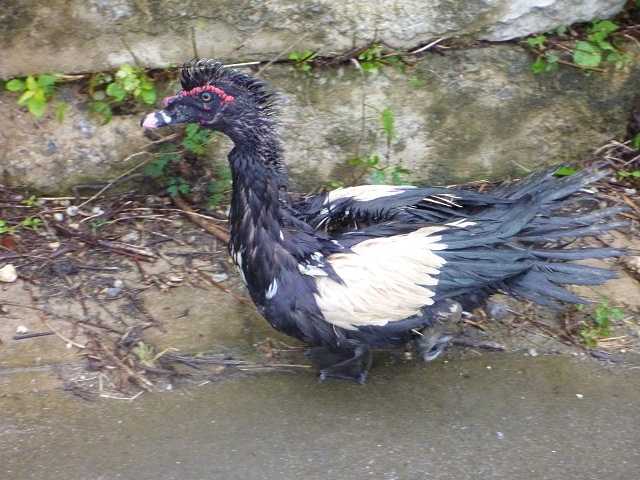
(215, 230)
(25, 336)
(121, 248)
(131, 170)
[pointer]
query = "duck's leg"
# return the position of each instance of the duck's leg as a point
(435, 339)
(432, 342)
(351, 362)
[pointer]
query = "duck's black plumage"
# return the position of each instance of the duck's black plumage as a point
(369, 266)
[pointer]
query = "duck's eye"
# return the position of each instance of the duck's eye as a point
(206, 97)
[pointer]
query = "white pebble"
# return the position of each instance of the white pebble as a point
(533, 352)
(8, 274)
(58, 216)
(72, 211)
(21, 329)
(219, 277)
(117, 283)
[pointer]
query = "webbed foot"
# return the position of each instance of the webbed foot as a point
(430, 345)
(434, 340)
(344, 364)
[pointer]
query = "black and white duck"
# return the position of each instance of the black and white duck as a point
(376, 265)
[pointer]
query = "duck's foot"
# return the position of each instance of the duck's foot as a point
(430, 345)
(345, 364)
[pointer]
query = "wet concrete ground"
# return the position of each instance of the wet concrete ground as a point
(496, 416)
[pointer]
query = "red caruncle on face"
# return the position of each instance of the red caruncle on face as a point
(221, 94)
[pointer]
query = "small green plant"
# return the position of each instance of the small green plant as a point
(303, 61)
(221, 186)
(37, 92)
(127, 84)
(378, 173)
(597, 47)
(599, 323)
(32, 223)
(633, 174)
(177, 186)
(174, 170)
(388, 122)
(635, 142)
(415, 82)
(157, 168)
(374, 58)
(5, 228)
(546, 61)
(588, 53)
(372, 166)
(97, 224)
(145, 353)
(196, 139)
(32, 201)
(565, 171)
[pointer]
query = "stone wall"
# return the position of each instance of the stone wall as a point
(94, 35)
(468, 113)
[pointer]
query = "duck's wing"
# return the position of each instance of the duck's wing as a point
(380, 203)
(385, 280)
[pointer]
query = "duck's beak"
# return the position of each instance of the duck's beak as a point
(157, 119)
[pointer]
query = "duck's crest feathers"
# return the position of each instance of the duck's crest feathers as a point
(200, 72)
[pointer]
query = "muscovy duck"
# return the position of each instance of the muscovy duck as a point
(364, 267)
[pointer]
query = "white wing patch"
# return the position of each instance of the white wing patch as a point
(365, 193)
(237, 259)
(313, 266)
(385, 279)
(272, 290)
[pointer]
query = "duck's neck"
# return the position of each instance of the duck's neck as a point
(259, 187)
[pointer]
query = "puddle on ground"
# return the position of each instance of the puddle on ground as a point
(497, 416)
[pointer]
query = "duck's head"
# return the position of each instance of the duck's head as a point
(214, 97)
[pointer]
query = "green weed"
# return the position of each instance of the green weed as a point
(598, 47)
(5, 228)
(589, 53)
(173, 170)
(220, 187)
(417, 83)
(32, 201)
(37, 92)
(196, 139)
(374, 58)
(32, 223)
(177, 186)
(598, 324)
(128, 84)
(303, 61)
(633, 174)
(372, 166)
(565, 171)
(146, 354)
(97, 224)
